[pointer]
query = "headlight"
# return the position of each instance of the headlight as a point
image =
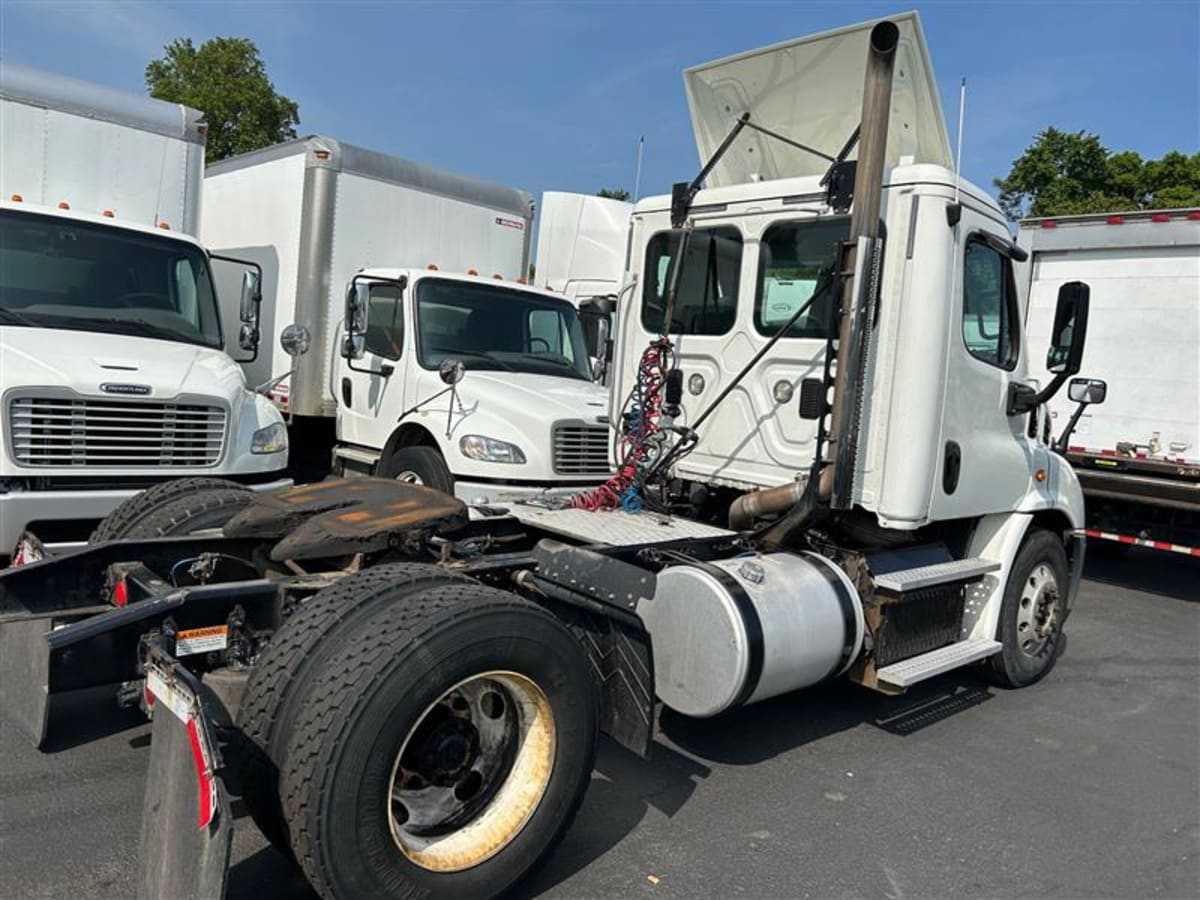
(272, 439)
(486, 449)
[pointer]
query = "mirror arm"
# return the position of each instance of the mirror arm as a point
(1060, 446)
(1022, 398)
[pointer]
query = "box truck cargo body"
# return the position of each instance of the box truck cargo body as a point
(112, 372)
(315, 210)
(96, 148)
(1138, 455)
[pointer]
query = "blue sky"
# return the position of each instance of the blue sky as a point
(553, 96)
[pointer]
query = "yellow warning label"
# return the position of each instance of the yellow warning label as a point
(201, 640)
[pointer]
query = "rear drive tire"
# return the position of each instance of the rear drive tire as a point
(1032, 612)
(129, 519)
(284, 669)
(443, 750)
(418, 465)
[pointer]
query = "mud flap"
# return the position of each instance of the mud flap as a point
(187, 824)
(25, 675)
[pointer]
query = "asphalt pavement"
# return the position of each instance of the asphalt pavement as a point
(1085, 785)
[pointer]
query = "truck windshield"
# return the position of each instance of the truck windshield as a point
(89, 277)
(492, 327)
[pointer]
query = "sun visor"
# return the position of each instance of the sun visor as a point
(810, 90)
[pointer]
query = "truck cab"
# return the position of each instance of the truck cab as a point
(474, 385)
(112, 372)
(937, 436)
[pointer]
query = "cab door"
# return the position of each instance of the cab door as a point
(370, 390)
(987, 456)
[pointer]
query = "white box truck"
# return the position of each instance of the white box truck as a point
(1138, 456)
(581, 248)
(112, 372)
(437, 258)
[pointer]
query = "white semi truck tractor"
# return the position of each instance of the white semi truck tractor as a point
(113, 374)
(830, 464)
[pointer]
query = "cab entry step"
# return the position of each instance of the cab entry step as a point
(907, 580)
(908, 672)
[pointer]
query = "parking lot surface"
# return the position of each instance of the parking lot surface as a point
(1085, 785)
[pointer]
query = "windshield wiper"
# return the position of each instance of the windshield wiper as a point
(147, 329)
(9, 317)
(558, 361)
(482, 354)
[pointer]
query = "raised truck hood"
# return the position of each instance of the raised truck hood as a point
(810, 90)
(82, 361)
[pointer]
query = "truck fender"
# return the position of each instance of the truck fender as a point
(997, 537)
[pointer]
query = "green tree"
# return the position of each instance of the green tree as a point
(1065, 173)
(613, 193)
(226, 80)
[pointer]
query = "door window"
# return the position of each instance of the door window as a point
(795, 265)
(707, 298)
(989, 305)
(385, 321)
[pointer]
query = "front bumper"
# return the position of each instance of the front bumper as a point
(19, 509)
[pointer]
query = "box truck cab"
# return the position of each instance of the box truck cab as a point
(112, 372)
(477, 386)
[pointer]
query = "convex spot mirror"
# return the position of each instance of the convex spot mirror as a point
(451, 371)
(1087, 390)
(295, 340)
(1070, 329)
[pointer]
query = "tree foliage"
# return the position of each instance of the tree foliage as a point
(226, 80)
(1065, 173)
(613, 193)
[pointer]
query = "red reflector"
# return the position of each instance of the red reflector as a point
(203, 776)
(1049, 223)
(1114, 220)
(1160, 217)
(120, 594)
(1194, 216)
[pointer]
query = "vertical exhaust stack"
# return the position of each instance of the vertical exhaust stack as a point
(864, 222)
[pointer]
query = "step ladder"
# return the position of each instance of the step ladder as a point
(906, 580)
(904, 674)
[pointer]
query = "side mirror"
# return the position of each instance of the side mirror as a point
(248, 310)
(353, 345)
(1087, 390)
(604, 305)
(1070, 329)
(295, 340)
(451, 371)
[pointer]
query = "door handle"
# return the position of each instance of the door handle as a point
(347, 392)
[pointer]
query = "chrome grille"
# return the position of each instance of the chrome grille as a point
(73, 431)
(581, 449)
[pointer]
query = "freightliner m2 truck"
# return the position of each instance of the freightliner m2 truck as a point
(426, 265)
(830, 463)
(112, 372)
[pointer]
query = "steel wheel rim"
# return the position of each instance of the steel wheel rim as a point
(471, 771)
(1037, 610)
(408, 476)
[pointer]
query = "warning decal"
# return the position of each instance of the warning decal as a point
(201, 640)
(510, 223)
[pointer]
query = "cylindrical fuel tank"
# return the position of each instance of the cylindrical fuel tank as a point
(739, 630)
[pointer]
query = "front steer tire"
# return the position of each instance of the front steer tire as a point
(1032, 612)
(418, 465)
(413, 663)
